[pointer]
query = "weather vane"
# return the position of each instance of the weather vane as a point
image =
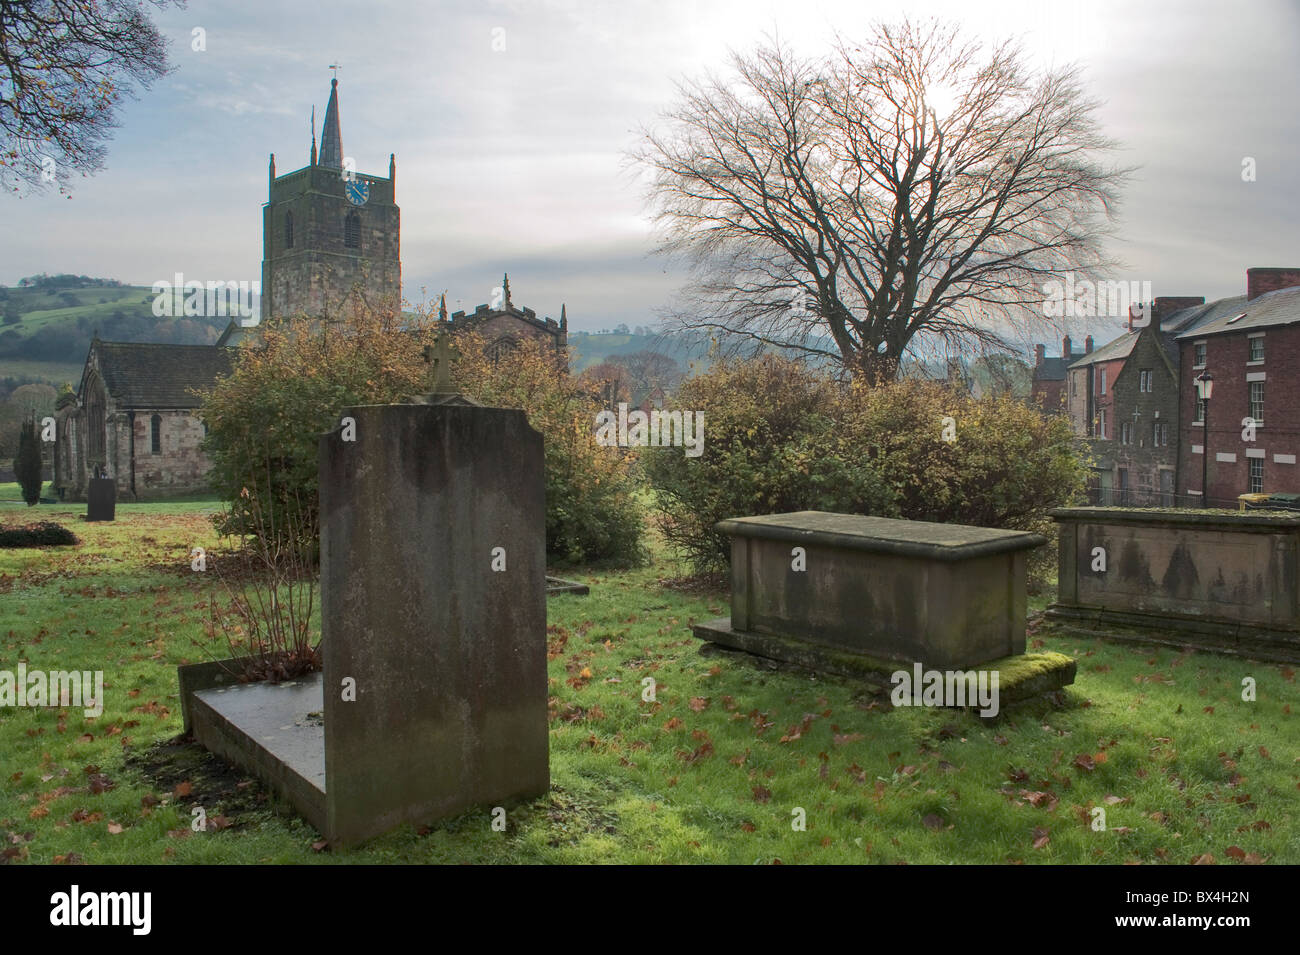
(336, 67)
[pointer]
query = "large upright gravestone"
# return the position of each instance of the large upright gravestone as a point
(433, 584)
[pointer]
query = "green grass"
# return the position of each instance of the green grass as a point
(712, 771)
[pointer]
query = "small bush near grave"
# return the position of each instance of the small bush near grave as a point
(773, 442)
(41, 534)
(264, 422)
(781, 437)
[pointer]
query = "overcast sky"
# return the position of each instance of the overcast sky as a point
(513, 159)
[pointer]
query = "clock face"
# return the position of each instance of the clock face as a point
(357, 191)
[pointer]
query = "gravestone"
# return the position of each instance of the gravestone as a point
(433, 600)
(101, 499)
(432, 697)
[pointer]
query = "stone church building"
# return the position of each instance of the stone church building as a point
(330, 237)
(133, 418)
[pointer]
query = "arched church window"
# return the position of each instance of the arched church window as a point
(352, 231)
(155, 434)
(288, 230)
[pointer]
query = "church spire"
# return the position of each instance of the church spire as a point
(313, 134)
(442, 308)
(564, 319)
(505, 287)
(331, 138)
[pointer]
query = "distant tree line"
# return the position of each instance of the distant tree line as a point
(66, 280)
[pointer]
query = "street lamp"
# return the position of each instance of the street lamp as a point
(1204, 389)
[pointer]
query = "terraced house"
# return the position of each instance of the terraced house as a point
(1250, 346)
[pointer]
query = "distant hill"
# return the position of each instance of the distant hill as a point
(47, 322)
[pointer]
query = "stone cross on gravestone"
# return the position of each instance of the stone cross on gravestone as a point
(440, 355)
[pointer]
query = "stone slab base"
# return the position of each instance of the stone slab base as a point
(1020, 676)
(1256, 643)
(274, 732)
(554, 585)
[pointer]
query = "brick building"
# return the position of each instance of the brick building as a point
(1047, 378)
(134, 418)
(1123, 399)
(1250, 344)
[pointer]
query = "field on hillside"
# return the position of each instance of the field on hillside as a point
(717, 769)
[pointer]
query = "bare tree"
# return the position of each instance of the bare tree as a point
(912, 194)
(650, 370)
(65, 65)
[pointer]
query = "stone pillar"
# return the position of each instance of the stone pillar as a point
(433, 606)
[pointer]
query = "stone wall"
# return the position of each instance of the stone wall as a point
(1234, 575)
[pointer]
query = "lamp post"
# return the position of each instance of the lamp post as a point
(1204, 390)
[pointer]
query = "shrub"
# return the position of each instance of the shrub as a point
(780, 437)
(27, 465)
(592, 514)
(772, 444)
(291, 384)
(40, 534)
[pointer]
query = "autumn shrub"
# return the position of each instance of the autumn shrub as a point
(295, 377)
(289, 385)
(592, 515)
(771, 444)
(951, 458)
(780, 437)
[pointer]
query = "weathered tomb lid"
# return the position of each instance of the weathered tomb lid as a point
(884, 535)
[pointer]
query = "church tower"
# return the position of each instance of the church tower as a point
(329, 233)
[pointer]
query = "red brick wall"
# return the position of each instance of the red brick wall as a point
(1049, 395)
(1226, 357)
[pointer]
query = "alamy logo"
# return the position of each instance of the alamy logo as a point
(182, 299)
(658, 429)
(1088, 299)
(55, 688)
(946, 688)
(75, 907)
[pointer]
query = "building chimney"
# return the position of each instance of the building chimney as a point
(1166, 305)
(1260, 281)
(1040, 354)
(1087, 345)
(1065, 348)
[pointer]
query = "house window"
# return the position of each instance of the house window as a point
(1146, 380)
(1160, 434)
(1257, 401)
(155, 434)
(1103, 381)
(1257, 348)
(352, 231)
(1256, 475)
(1200, 411)
(1101, 424)
(1126, 433)
(1199, 360)
(288, 230)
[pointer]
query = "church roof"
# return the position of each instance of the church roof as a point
(145, 375)
(331, 136)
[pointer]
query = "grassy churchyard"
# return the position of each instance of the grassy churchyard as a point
(721, 767)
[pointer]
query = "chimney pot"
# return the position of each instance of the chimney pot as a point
(1087, 345)
(1065, 347)
(1040, 354)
